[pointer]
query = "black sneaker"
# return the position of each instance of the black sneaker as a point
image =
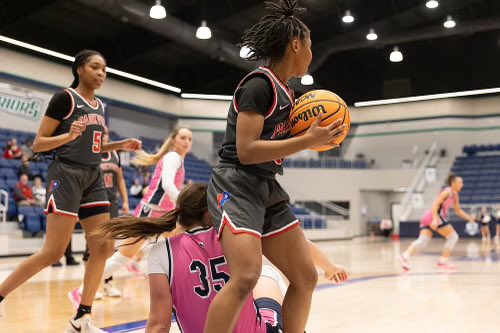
(57, 264)
(72, 262)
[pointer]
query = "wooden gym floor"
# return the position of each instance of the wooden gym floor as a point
(378, 298)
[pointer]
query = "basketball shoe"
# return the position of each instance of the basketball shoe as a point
(404, 263)
(110, 290)
(82, 325)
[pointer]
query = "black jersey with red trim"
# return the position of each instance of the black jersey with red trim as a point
(276, 125)
(86, 149)
(110, 165)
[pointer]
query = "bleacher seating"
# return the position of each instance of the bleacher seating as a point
(481, 175)
(331, 163)
(308, 220)
(475, 149)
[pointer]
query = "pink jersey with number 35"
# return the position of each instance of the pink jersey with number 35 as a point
(197, 270)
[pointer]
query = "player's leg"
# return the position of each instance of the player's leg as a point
(58, 233)
(100, 250)
(419, 244)
(126, 252)
(245, 271)
(288, 251)
(235, 203)
(451, 236)
(268, 294)
(497, 235)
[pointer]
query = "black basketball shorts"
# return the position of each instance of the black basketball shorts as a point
(248, 203)
(72, 187)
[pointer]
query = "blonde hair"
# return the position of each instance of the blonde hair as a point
(145, 159)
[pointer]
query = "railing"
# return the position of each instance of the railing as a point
(4, 205)
(325, 209)
(418, 183)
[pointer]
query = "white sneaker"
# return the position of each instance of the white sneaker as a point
(404, 263)
(82, 325)
(98, 295)
(110, 290)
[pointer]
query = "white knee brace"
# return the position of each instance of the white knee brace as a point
(451, 240)
(271, 272)
(421, 242)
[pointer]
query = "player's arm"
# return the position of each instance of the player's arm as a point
(44, 141)
(122, 188)
(459, 212)
(160, 311)
(252, 150)
(171, 163)
(333, 272)
(59, 107)
(254, 99)
(126, 145)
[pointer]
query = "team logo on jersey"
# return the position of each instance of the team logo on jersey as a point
(222, 198)
(53, 185)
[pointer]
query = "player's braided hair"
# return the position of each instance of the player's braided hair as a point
(269, 38)
(191, 206)
(81, 58)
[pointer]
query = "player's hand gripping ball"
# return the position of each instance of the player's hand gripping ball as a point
(319, 103)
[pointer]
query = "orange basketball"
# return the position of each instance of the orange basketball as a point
(319, 103)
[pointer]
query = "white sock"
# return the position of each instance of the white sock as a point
(115, 262)
(406, 255)
(443, 260)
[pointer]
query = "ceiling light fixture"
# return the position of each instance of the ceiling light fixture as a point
(431, 4)
(71, 59)
(158, 12)
(203, 31)
(348, 18)
(307, 80)
(371, 35)
(396, 55)
(449, 23)
(428, 97)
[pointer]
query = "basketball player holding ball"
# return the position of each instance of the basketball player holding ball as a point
(247, 205)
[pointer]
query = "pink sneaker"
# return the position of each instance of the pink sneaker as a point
(133, 268)
(446, 265)
(404, 263)
(75, 298)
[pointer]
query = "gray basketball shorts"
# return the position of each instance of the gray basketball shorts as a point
(71, 187)
(247, 203)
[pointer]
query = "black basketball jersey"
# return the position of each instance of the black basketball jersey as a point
(110, 165)
(85, 149)
(276, 126)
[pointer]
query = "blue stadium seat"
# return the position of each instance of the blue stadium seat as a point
(7, 173)
(11, 183)
(31, 223)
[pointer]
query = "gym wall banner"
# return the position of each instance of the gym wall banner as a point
(21, 107)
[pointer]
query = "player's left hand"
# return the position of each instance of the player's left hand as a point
(131, 145)
(336, 274)
(125, 208)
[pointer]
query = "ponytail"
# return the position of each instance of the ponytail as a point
(190, 211)
(269, 38)
(139, 228)
(144, 159)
